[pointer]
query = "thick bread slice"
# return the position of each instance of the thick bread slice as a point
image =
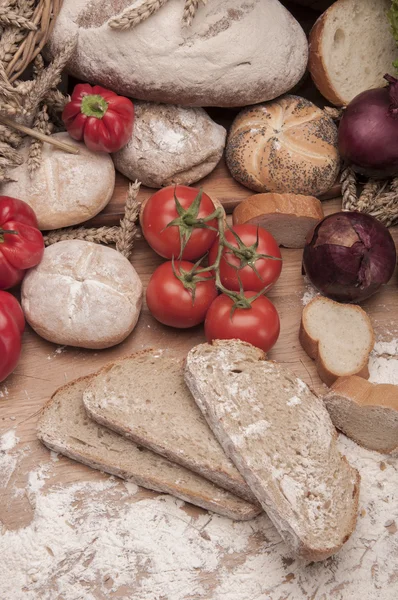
(366, 412)
(339, 337)
(288, 217)
(65, 427)
(351, 49)
(144, 397)
(281, 438)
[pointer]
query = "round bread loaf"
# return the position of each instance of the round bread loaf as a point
(288, 145)
(82, 294)
(66, 189)
(170, 145)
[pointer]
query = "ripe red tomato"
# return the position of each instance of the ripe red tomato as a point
(268, 270)
(160, 209)
(258, 325)
(171, 303)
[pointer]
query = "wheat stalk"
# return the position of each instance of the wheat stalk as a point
(133, 16)
(42, 125)
(127, 230)
(349, 189)
(10, 18)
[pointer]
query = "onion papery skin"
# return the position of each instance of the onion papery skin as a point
(348, 256)
(368, 133)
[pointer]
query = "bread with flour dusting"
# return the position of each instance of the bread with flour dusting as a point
(280, 437)
(66, 189)
(170, 145)
(65, 427)
(159, 395)
(82, 294)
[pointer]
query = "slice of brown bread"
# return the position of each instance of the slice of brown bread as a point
(366, 412)
(145, 398)
(281, 438)
(65, 427)
(339, 337)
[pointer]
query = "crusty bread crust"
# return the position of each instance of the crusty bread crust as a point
(281, 213)
(316, 63)
(311, 347)
(365, 412)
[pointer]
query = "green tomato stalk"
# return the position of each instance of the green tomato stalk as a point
(246, 254)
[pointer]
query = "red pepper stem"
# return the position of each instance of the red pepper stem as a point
(3, 231)
(94, 105)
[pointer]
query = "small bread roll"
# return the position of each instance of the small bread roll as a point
(66, 189)
(82, 294)
(287, 145)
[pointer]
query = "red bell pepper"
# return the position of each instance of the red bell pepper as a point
(21, 242)
(99, 117)
(12, 324)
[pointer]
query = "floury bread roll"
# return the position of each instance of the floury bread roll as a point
(170, 145)
(82, 294)
(288, 145)
(66, 189)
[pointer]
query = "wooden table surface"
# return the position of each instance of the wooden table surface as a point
(44, 367)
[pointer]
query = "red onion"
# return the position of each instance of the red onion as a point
(368, 132)
(348, 256)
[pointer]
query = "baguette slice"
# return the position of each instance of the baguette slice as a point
(365, 412)
(281, 438)
(339, 337)
(351, 49)
(288, 217)
(144, 398)
(65, 427)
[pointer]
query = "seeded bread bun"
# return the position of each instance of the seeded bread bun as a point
(288, 145)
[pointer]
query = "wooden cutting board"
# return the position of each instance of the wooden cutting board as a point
(44, 367)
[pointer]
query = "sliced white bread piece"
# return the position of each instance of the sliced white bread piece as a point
(288, 217)
(144, 397)
(339, 337)
(65, 427)
(366, 412)
(351, 49)
(280, 436)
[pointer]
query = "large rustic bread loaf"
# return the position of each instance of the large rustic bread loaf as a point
(281, 438)
(288, 217)
(144, 397)
(65, 427)
(170, 145)
(82, 294)
(66, 189)
(288, 145)
(233, 54)
(366, 412)
(351, 49)
(339, 337)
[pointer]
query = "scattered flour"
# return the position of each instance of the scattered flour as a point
(310, 292)
(293, 401)
(8, 461)
(8, 440)
(383, 362)
(4, 392)
(100, 541)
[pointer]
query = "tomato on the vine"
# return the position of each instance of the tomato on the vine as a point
(189, 237)
(248, 262)
(258, 325)
(175, 304)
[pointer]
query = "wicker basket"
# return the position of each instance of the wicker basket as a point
(44, 15)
